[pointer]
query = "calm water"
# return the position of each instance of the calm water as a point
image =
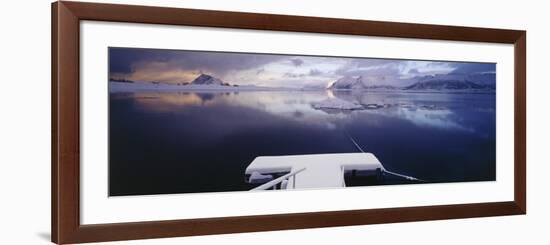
(185, 142)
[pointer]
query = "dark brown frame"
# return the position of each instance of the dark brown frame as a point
(66, 17)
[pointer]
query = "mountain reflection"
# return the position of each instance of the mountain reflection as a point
(433, 110)
(181, 137)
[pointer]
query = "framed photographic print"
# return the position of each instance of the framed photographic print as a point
(176, 122)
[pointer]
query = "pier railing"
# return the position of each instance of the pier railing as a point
(279, 180)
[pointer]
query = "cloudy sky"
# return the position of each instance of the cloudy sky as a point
(171, 66)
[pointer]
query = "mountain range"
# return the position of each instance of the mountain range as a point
(481, 81)
(204, 79)
(477, 82)
(359, 82)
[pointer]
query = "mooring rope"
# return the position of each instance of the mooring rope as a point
(384, 170)
(355, 143)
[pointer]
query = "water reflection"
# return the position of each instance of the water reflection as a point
(183, 142)
(423, 109)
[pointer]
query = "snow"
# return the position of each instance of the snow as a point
(202, 82)
(335, 103)
(449, 83)
(321, 170)
(487, 78)
(476, 82)
(348, 82)
(360, 83)
(204, 79)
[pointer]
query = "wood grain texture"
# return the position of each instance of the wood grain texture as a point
(67, 118)
(54, 139)
(158, 229)
(520, 90)
(66, 17)
(273, 22)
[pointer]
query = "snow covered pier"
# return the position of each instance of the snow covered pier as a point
(311, 171)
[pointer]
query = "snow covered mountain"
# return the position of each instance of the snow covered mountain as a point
(357, 83)
(204, 79)
(479, 81)
(202, 82)
(348, 82)
(448, 85)
(452, 81)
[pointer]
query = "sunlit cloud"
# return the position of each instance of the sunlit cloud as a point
(294, 71)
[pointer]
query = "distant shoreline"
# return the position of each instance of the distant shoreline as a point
(116, 87)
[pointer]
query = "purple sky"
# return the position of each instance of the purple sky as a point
(171, 66)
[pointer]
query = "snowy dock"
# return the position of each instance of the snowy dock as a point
(310, 171)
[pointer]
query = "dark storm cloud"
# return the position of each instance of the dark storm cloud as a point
(437, 63)
(315, 72)
(125, 60)
(121, 59)
(360, 67)
(221, 63)
(373, 62)
(293, 75)
(389, 69)
(175, 66)
(472, 68)
(297, 62)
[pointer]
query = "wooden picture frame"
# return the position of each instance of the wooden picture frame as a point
(66, 226)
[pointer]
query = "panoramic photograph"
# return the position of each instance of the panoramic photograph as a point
(183, 121)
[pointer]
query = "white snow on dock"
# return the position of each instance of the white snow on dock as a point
(321, 170)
